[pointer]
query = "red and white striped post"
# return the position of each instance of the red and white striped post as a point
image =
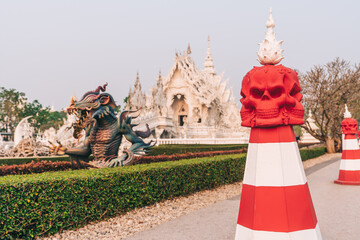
(349, 173)
(275, 201)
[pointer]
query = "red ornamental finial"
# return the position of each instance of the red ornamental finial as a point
(271, 94)
(271, 97)
(349, 125)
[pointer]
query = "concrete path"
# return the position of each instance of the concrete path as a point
(337, 209)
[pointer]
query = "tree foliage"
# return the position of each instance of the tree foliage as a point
(14, 107)
(11, 103)
(326, 89)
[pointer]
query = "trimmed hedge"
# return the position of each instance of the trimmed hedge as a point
(312, 153)
(23, 160)
(43, 204)
(172, 149)
(40, 167)
(176, 157)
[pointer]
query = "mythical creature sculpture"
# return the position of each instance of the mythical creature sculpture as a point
(103, 131)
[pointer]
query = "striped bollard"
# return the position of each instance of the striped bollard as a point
(349, 172)
(275, 200)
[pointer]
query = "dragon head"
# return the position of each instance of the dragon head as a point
(94, 105)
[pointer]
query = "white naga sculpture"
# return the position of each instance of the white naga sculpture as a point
(23, 130)
(189, 102)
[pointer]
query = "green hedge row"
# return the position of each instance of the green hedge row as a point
(23, 160)
(312, 153)
(171, 149)
(43, 204)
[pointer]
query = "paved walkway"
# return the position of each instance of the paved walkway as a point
(337, 208)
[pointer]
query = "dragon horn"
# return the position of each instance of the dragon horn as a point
(102, 88)
(73, 100)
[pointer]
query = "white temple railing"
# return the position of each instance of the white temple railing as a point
(201, 141)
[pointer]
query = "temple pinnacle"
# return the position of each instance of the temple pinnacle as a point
(188, 49)
(270, 51)
(209, 64)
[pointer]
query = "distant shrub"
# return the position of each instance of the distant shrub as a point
(312, 153)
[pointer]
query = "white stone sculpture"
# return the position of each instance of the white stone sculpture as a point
(189, 102)
(23, 130)
(270, 51)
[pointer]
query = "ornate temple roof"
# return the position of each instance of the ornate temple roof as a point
(205, 84)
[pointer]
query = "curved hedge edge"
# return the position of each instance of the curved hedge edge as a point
(49, 202)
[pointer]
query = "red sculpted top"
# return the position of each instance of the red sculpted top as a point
(349, 126)
(271, 97)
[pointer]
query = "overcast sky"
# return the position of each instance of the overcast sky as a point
(52, 50)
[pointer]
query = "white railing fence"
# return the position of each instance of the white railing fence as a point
(160, 141)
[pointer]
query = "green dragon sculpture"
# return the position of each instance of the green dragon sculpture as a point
(103, 131)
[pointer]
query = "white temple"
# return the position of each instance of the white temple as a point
(307, 137)
(189, 103)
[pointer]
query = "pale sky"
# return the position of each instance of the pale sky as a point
(52, 50)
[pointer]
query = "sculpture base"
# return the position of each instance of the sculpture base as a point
(346, 182)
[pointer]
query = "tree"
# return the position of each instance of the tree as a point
(326, 90)
(43, 117)
(14, 107)
(11, 103)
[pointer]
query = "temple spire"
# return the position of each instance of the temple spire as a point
(270, 51)
(137, 84)
(137, 97)
(159, 81)
(188, 49)
(209, 64)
